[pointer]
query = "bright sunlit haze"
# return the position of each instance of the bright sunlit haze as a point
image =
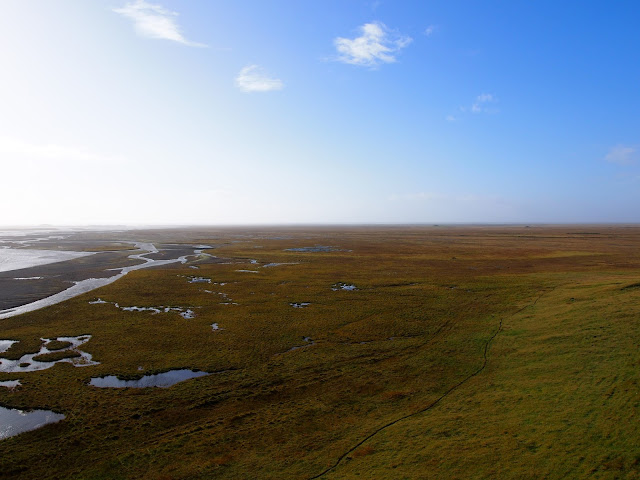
(239, 112)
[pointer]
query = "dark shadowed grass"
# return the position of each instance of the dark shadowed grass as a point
(58, 344)
(56, 356)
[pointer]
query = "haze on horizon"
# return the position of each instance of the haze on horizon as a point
(245, 111)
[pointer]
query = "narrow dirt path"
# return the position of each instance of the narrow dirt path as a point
(435, 402)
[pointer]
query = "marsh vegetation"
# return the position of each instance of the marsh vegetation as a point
(485, 352)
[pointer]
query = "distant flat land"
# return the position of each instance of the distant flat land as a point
(460, 352)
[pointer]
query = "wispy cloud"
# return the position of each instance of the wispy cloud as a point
(376, 45)
(480, 105)
(63, 153)
(430, 30)
(483, 103)
(253, 78)
(154, 21)
(621, 155)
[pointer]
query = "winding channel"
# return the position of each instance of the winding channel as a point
(89, 284)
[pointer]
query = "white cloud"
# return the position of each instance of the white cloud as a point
(621, 154)
(480, 104)
(54, 152)
(154, 21)
(376, 45)
(253, 78)
(486, 97)
(451, 118)
(430, 30)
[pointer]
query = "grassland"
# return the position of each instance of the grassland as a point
(486, 352)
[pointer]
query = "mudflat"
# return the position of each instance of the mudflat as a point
(34, 266)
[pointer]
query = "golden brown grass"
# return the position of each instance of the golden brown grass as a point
(555, 398)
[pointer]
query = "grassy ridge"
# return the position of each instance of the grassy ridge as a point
(556, 398)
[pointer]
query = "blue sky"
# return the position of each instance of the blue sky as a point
(236, 112)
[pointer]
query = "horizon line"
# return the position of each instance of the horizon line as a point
(310, 224)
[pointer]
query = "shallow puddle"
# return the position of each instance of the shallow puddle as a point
(13, 421)
(10, 384)
(343, 286)
(26, 363)
(6, 345)
(199, 280)
(141, 309)
(300, 304)
(162, 380)
(184, 312)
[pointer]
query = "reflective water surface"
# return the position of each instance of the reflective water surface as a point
(6, 345)
(184, 312)
(89, 284)
(162, 380)
(26, 363)
(317, 248)
(19, 258)
(13, 421)
(343, 286)
(10, 384)
(300, 304)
